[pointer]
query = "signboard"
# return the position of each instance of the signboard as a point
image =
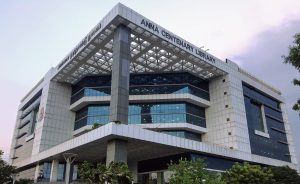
(176, 40)
(83, 43)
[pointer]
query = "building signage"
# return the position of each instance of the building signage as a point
(177, 41)
(41, 114)
(83, 43)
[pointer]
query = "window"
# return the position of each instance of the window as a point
(259, 125)
(258, 115)
(46, 171)
(263, 116)
(35, 113)
(144, 84)
(75, 175)
(145, 113)
(61, 172)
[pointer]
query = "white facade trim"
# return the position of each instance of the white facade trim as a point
(156, 126)
(86, 100)
(136, 132)
(174, 126)
(263, 134)
(262, 87)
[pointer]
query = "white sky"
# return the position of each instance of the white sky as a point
(35, 35)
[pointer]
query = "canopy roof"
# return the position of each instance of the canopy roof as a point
(153, 50)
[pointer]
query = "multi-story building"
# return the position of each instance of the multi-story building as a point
(157, 98)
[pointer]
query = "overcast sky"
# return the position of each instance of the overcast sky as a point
(37, 35)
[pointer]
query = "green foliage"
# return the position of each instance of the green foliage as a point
(95, 125)
(285, 174)
(296, 106)
(191, 172)
(296, 82)
(24, 181)
(118, 173)
(293, 58)
(248, 174)
(88, 172)
(115, 173)
(6, 170)
(100, 172)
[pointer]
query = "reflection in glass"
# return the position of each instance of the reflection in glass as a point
(144, 84)
(145, 113)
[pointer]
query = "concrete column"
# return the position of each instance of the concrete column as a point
(116, 151)
(36, 173)
(54, 171)
(120, 75)
(133, 167)
(160, 178)
(68, 169)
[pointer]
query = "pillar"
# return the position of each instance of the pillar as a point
(120, 75)
(54, 171)
(68, 170)
(69, 158)
(160, 177)
(133, 167)
(36, 173)
(117, 149)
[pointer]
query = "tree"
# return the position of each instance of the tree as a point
(88, 172)
(285, 174)
(191, 172)
(248, 174)
(118, 173)
(114, 173)
(293, 58)
(100, 172)
(6, 170)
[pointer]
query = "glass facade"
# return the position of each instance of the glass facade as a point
(46, 171)
(61, 172)
(276, 146)
(75, 174)
(144, 84)
(38, 95)
(35, 115)
(257, 116)
(145, 113)
(161, 164)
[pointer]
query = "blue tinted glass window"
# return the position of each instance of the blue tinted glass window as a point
(275, 146)
(273, 113)
(145, 113)
(257, 117)
(46, 171)
(144, 84)
(61, 172)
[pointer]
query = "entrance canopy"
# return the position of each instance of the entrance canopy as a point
(153, 49)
